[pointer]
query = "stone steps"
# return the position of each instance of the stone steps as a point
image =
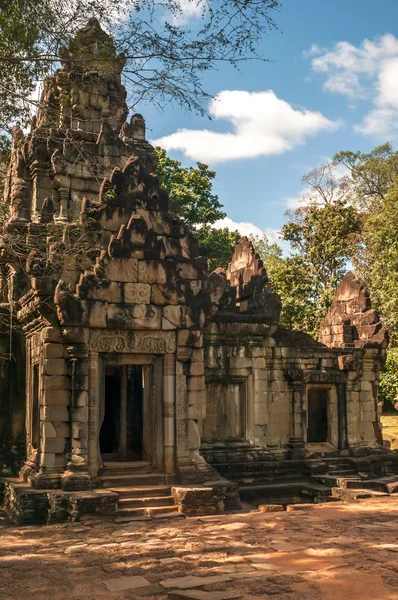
(131, 479)
(389, 485)
(145, 502)
(337, 481)
(148, 511)
(341, 469)
(266, 471)
(121, 468)
(288, 490)
(143, 492)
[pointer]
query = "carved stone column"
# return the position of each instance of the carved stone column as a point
(77, 477)
(41, 186)
(181, 413)
(296, 413)
(62, 217)
(169, 406)
(95, 413)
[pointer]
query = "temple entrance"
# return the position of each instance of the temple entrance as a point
(121, 434)
(317, 430)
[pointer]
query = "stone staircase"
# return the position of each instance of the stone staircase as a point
(265, 480)
(347, 480)
(142, 491)
(315, 479)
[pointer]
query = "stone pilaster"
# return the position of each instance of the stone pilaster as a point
(296, 413)
(169, 406)
(77, 475)
(64, 194)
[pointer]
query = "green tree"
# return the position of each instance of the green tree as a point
(324, 237)
(372, 174)
(389, 379)
(290, 278)
(375, 192)
(192, 190)
(322, 232)
(217, 245)
(376, 259)
(269, 251)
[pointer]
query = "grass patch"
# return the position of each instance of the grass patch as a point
(390, 429)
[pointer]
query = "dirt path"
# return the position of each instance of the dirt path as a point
(332, 552)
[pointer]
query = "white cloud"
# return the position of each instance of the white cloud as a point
(190, 9)
(263, 125)
(368, 71)
(388, 82)
(293, 202)
(247, 229)
(380, 123)
(313, 51)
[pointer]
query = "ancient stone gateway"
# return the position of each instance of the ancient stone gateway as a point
(151, 383)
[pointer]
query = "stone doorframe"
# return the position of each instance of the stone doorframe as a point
(332, 412)
(300, 381)
(159, 405)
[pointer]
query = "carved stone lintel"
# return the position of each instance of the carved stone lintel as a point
(132, 341)
(318, 376)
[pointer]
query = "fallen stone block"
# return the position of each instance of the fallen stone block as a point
(126, 583)
(291, 507)
(270, 508)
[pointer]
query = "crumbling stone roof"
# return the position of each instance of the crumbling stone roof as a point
(248, 297)
(287, 337)
(351, 321)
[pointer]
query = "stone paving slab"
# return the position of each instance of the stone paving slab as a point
(168, 516)
(282, 546)
(120, 584)
(199, 595)
(185, 583)
(257, 558)
(263, 572)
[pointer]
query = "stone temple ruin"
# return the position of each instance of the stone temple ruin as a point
(131, 379)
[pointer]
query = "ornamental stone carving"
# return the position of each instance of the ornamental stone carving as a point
(132, 341)
(324, 377)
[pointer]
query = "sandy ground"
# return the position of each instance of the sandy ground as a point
(335, 551)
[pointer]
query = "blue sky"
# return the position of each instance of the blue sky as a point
(326, 90)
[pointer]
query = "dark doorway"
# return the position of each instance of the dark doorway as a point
(35, 407)
(317, 416)
(121, 435)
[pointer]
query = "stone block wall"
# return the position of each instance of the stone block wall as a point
(276, 373)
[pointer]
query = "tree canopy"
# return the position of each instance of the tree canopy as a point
(324, 237)
(322, 232)
(375, 256)
(192, 189)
